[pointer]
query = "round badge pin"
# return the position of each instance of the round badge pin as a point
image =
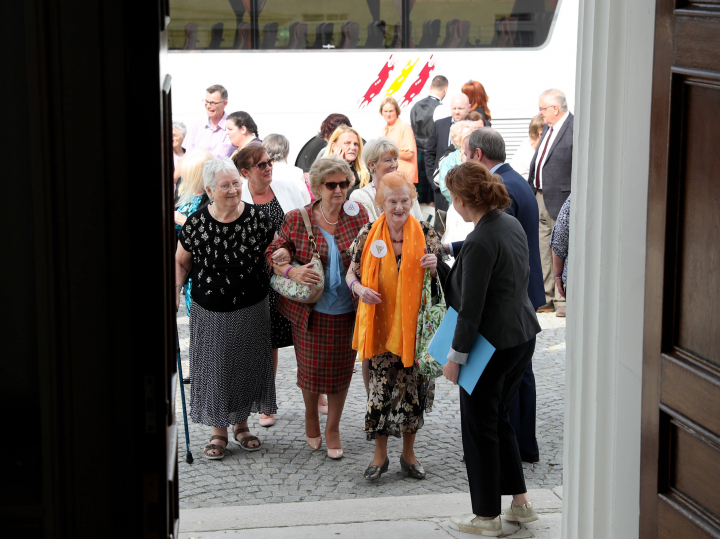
(351, 208)
(378, 248)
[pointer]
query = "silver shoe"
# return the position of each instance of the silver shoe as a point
(374, 472)
(416, 471)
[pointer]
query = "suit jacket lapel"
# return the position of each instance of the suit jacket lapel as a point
(559, 136)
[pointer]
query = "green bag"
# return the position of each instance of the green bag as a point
(432, 311)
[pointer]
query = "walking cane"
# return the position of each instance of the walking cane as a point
(188, 454)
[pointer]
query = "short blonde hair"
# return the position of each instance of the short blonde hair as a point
(324, 167)
(391, 182)
(191, 171)
(457, 131)
(375, 148)
(392, 102)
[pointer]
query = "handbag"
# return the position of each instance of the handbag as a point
(302, 293)
(432, 311)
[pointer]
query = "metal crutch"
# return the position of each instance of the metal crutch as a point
(188, 454)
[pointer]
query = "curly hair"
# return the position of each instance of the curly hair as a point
(331, 123)
(473, 183)
(392, 182)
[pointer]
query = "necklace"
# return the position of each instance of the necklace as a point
(396, 241)
(323, 216)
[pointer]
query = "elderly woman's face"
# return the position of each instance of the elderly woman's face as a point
(389, 113)
(177, 138)
(261, 172)
(386, 164)
(334, 189)
(349, 144)
(396, 205)
(228, 188)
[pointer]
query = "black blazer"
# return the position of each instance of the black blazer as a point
(557, 169)
(488, 284)
(437, 143)
(421, 119)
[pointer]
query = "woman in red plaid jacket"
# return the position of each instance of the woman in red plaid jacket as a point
(322, 332)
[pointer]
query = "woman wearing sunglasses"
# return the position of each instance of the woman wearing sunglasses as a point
(275, 199)
(322, 332)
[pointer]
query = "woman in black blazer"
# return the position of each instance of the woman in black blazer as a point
(487, 286)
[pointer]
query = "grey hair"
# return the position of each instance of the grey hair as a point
(490, 143)
(557, 97)
(180, 127)
(277, 147)
(218, 88)
(214, 167)
(375, 148)
(324, 167)
(455, 131)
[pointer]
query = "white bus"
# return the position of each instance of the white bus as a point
(291, 63)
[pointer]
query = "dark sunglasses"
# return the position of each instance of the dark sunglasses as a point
(263, 164)
(331, 186)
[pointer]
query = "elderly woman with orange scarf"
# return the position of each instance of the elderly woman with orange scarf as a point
(388, 262)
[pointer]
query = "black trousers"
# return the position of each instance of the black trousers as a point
(492, 457)
(522, 417)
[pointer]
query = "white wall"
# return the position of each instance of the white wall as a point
(607, 269)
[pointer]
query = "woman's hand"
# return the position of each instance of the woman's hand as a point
(451, 371)
(367, 295)
(281, 256)
(429, 261)
(305, 274)
(177, 299)
(339, 151)
(560, 286)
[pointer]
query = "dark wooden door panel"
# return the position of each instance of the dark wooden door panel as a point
(680, 473)
(698, 300)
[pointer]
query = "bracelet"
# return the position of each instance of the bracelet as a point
(287, 270)
(558, 276)
(179, 285)
(351, 287)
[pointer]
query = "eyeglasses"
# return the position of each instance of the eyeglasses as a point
(227, 186)
(331, 186)
(216, 103)
(263, 164)
(548, 107)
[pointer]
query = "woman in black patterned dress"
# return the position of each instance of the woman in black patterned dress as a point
(222, 246)
(275, 199)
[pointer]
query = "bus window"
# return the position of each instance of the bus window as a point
(353, 24)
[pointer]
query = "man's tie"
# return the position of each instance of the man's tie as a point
(540, 163)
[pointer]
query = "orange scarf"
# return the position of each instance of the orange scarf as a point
(390, 325)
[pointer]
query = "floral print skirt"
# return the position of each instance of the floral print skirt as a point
(399, 396)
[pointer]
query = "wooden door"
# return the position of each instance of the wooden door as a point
(680, 474)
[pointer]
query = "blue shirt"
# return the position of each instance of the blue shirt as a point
(336, 298)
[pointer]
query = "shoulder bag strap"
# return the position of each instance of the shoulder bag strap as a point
(308, 227)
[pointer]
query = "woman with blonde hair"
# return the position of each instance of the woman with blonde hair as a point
(457, 134)
(346, 143)
(402, 134)
(191, 197)
(388, 279)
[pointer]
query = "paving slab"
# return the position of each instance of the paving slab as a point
(330, 512)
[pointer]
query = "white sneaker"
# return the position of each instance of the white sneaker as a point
(523, 513)
(474, 524)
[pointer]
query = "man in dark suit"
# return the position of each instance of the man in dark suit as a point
(550, 171)
(439, 142)
(421, 120)
(487, 146)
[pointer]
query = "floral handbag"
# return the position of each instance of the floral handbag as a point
(302, 293)
(432, 311)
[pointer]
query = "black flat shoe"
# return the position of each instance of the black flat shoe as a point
(374, 472)
(415, 471)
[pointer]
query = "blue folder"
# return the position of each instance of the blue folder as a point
(478, 358)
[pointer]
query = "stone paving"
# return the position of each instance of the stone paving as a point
(287, 470)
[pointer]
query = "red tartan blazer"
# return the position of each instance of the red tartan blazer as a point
(293, 236)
